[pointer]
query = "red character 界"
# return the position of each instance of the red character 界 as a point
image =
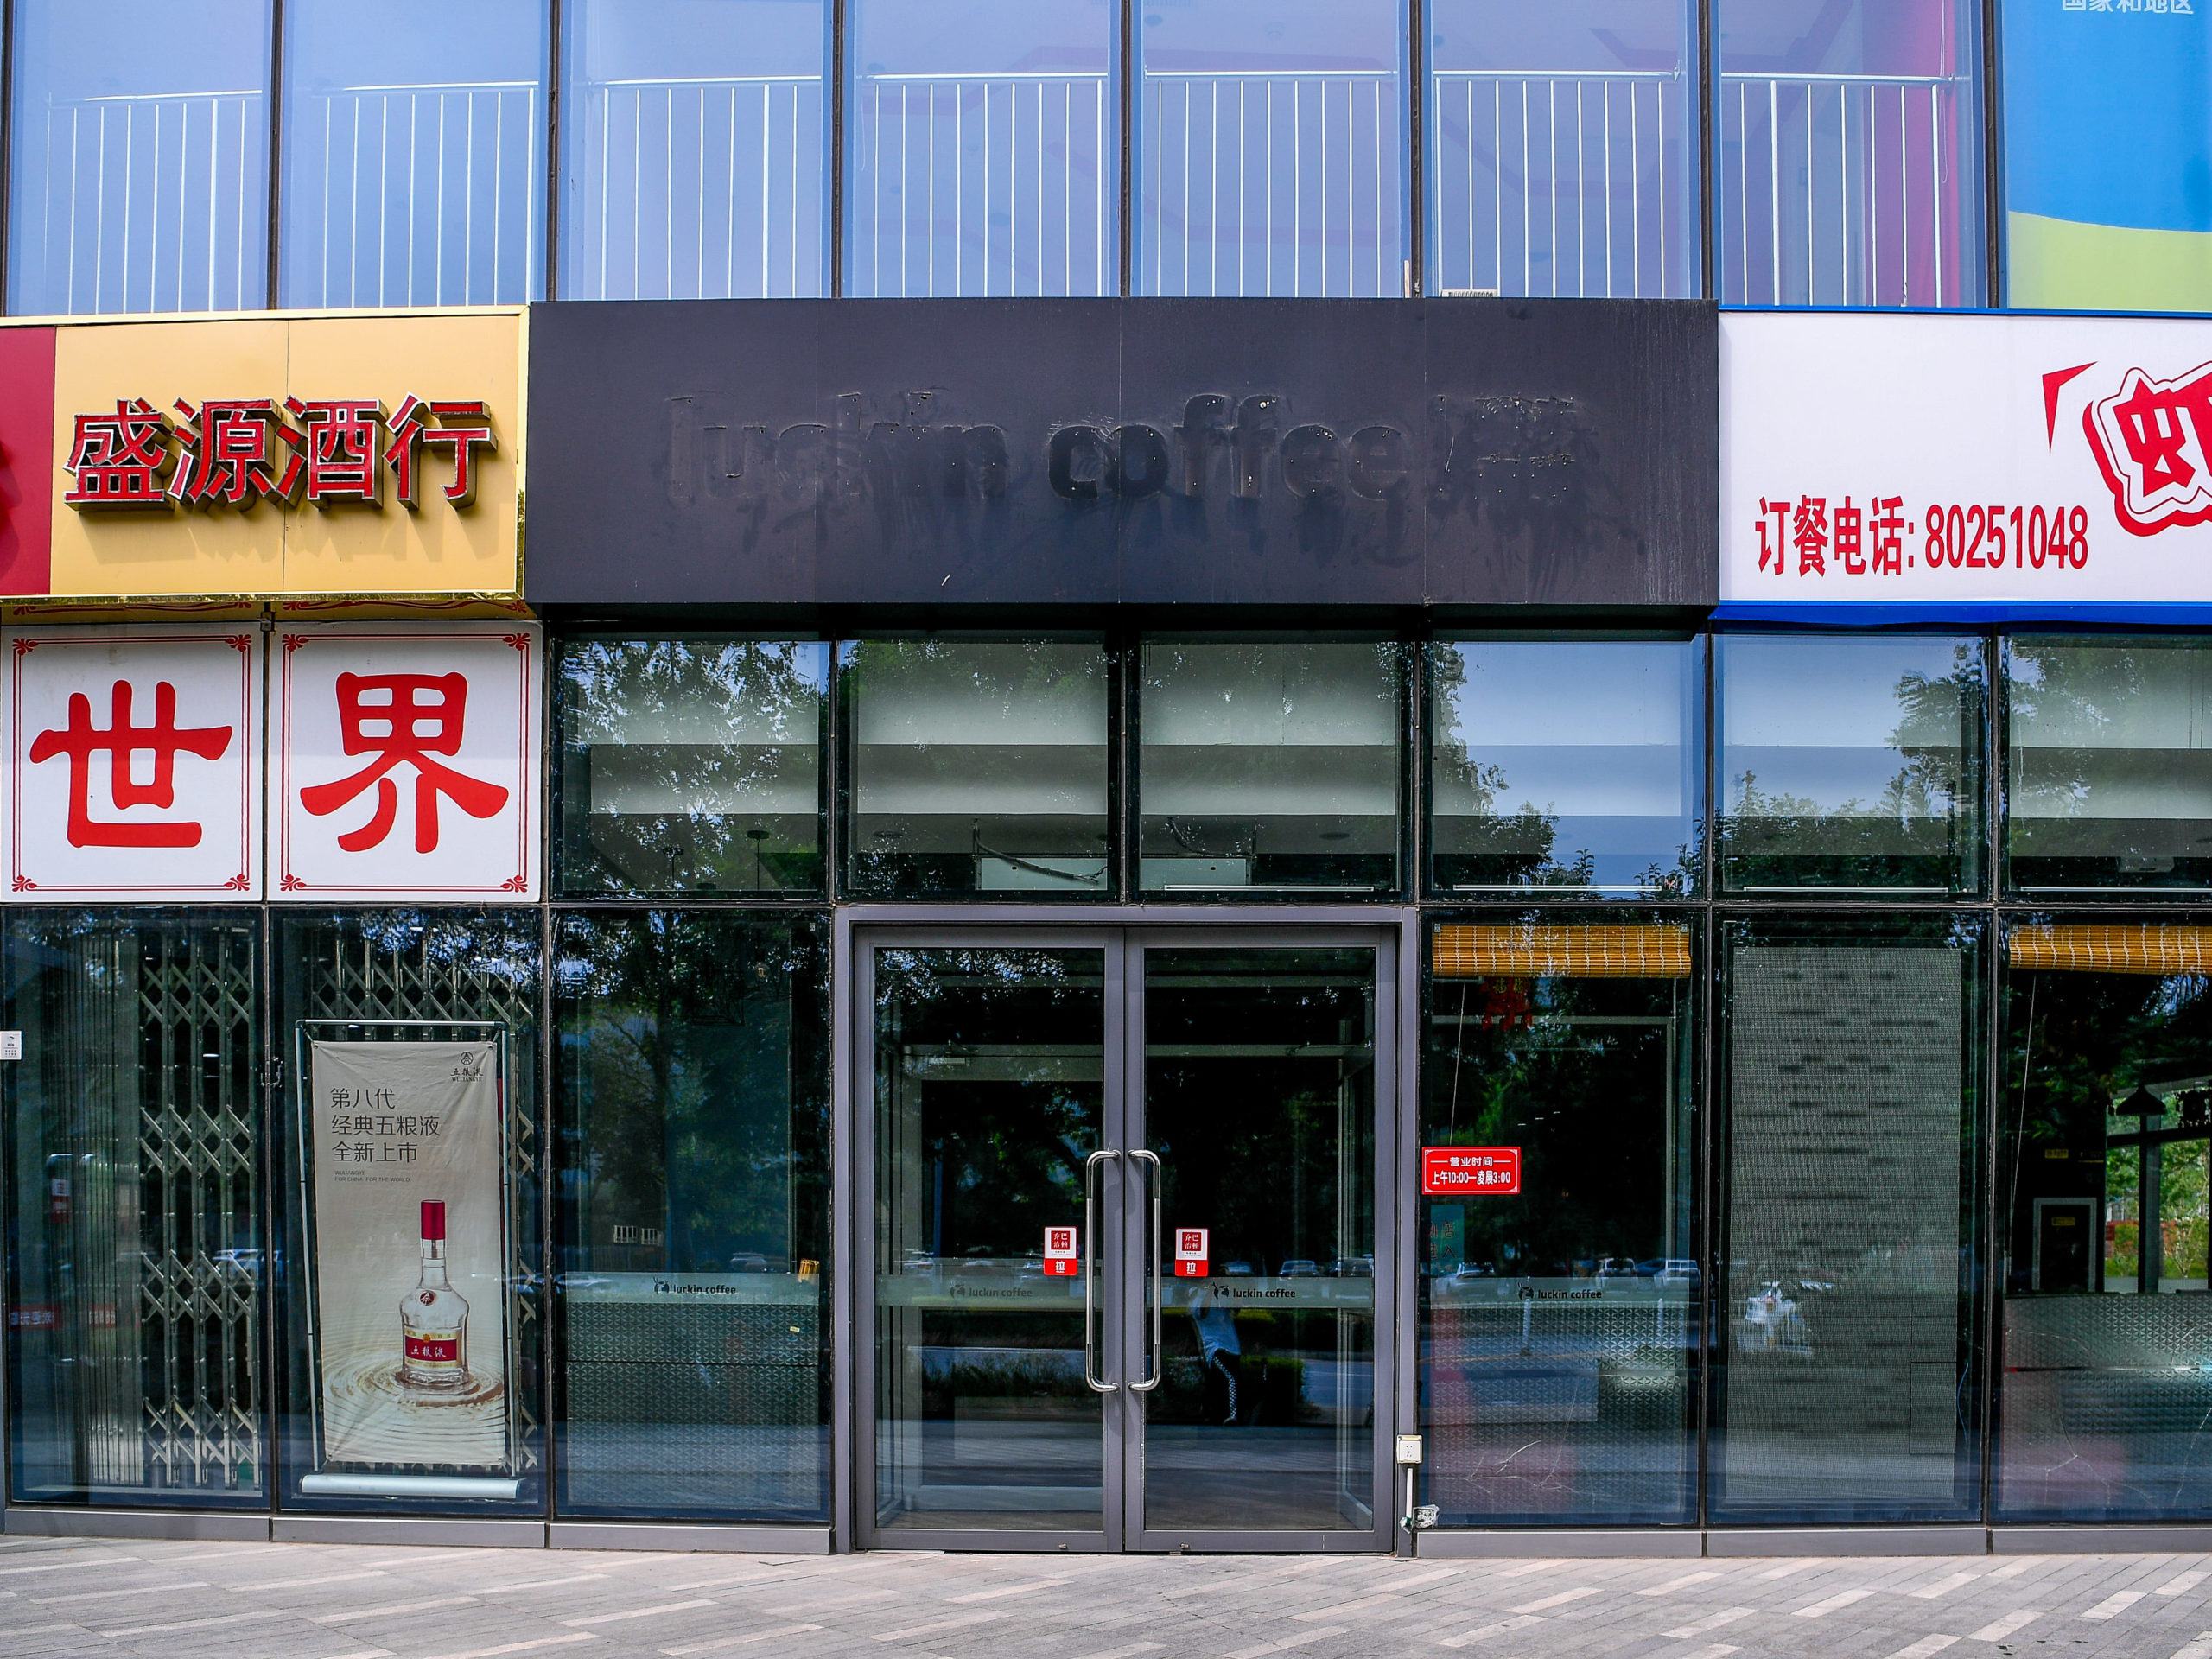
(386, 714)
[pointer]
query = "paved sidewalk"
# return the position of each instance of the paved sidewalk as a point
(314, 1601)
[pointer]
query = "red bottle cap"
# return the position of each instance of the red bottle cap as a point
(434, 1218)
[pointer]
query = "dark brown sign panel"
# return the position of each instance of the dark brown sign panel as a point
(1219, 452)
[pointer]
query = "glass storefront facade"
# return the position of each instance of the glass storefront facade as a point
(1839, 157)
(1847, 1056)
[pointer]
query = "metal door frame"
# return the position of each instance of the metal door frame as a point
(1122, 932)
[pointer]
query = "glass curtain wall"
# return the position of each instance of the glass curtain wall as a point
(1560, 1327)
(1849, 764)
(135, 1209)
(976, 766)
(1849, 170)
(984, 148)
(139, 162)
(1851, 1058)
(2106, 1116)
(695, 134)
(414, 154)
(1563, 149)
(1269, 768)
(1577, 766)
(1270, 149)
(691, 765)
(692, 1286)
(412, 1272)
(2108, 777)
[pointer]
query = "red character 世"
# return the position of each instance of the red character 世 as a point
(231, 454)
(385, 714)
(462, 427)
(164, 739)
(120, 459)
(340, 437)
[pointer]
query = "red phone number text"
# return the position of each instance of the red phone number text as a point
(1880, 539)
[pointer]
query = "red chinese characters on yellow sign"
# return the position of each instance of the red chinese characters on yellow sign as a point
(236, 452)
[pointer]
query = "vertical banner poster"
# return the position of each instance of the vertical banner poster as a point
(410, 1327)
(133, 764)
(407, 762)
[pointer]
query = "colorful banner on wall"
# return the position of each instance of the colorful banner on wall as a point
(2024, 467)
(410, 1317)
(2108, 154)
(265, 456)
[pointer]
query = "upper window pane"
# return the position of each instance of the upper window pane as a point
(1849, 763)
(985, 147)
(1850, 164)
(414, 159)
(1270, 148)
(1272, 768)
(141, 158)
(1562, 145)
(1567, 764)
(2085, 83)
(693, 135)
(2109, 782)
(976, 766)
(691, 766)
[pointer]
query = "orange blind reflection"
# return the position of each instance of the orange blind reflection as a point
(1531, 952)
(2140, 950)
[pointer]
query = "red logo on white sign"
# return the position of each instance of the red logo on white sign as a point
(1484, 1171)
(1190, 1252)
(1060, 1252)
(2153, 440)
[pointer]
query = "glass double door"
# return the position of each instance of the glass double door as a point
(1130, 1254)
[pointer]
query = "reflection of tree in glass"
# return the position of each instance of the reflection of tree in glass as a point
(1481, 843)
(686, 1041)
(730, 719)
(2075, 1044)
(995, 700)
(1586, 1103)
(1911, 834)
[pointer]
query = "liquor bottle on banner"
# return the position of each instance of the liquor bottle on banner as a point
(433, 1318)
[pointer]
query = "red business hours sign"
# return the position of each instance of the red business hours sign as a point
(1456, 1172)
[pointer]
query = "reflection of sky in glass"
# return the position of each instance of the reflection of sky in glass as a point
(983, 148)
(1824, 720)
(1562, 147)
(141, 155)
(693, 139)
(1270, 147)
(1596, 736)
(415, 153)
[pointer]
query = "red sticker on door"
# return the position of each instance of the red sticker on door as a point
(1459, 1172)
(1190, 1252)
(1060, 1253)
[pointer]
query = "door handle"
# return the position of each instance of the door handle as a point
(1158, 1285)
(1090, 1255)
